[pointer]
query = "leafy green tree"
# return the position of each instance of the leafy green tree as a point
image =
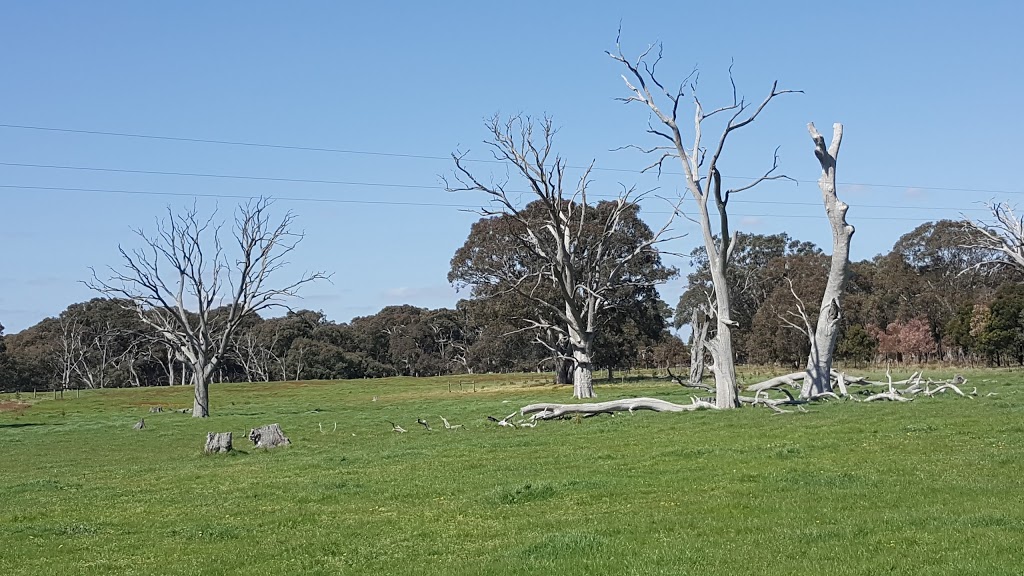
(511, 286)
(750, 280)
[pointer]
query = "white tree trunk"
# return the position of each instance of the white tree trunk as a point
(583, 370)
(726, 391)
(699, 325)
(823, 341)
(202, 369)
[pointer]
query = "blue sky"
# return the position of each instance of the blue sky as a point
(927, 91)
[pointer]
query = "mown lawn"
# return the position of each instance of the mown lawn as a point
(928, 487)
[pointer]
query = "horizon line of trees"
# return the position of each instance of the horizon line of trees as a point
(926, 300)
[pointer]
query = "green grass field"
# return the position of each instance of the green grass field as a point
(932, 486)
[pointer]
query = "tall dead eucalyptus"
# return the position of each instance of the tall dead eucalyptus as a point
(185, 285)
(823, 337)
(569, 257)
(704, 182)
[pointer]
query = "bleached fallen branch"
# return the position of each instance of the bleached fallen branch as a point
(448, 426)
(547, 411)
(944, 388)
(893, 396)
(785, 379)
(506, 421)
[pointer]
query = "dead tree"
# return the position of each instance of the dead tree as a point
(823, 338)
(1002, 237)
(194, 294)
(646, 89)
(576, 270)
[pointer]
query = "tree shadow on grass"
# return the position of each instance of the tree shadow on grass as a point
(22, 425)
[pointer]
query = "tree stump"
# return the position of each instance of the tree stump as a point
(140, 424)
(219, 442)
(155, 409)
(269, 436)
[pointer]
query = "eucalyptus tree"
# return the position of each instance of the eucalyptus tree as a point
(703, 181)
(568, 256)
(188, 287)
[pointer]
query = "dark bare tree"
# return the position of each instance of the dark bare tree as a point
(194, 293)
(703, 181)
(577, 269)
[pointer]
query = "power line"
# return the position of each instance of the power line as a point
(406, 186)
(445, 158)
(239, 196)
(463, 207)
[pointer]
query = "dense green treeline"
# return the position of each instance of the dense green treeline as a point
(926, 300)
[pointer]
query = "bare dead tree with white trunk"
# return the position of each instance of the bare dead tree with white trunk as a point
(186, 286)
(1002, 236)
(703, 181)
(576, 270)
(823, 337)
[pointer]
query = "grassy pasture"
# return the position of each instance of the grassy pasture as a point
(928, 487)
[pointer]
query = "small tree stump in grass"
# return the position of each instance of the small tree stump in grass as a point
(219, 442)
(155, 409)
(269, 436)
(140, 424)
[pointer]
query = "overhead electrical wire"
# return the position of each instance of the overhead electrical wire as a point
(432, 157)
(398, 185)
(463, 207)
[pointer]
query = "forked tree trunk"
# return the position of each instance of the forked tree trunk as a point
(823, 341)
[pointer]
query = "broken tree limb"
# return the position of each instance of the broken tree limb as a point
(944, 388)
(546, 411)
(893, 396)
(219, 442)
(449, 426)
(506, 421)
(690, 384)
(269, 436)
(785, 379)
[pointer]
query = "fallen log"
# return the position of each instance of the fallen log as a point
(548, 411)
(790, 379)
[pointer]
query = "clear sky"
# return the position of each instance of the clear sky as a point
(928, 91)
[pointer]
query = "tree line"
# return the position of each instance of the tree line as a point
(926, 300)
